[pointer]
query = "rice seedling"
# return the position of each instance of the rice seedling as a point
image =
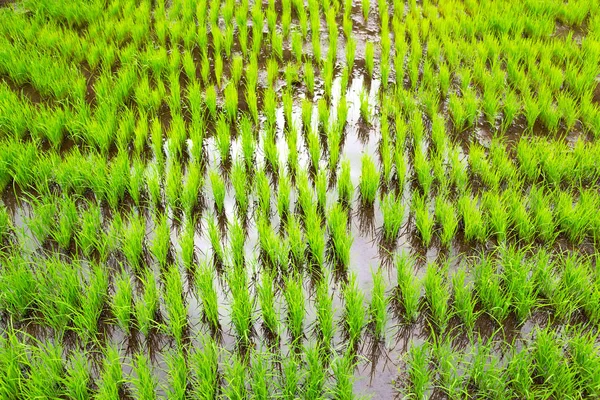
(204, 365)
(132, 240)
(309, 78)
(111, 379)
(266, 297)
(355, 313)
(369, 181)
(208, 294)
(409, 288)
(437, 296)
(242, 305)
(365, 108)
(378, 307)
(218, 190)
(144, 382)
(393, 216)
(122, 301)
(424, 220)
(67, 223)
(418, 358)
(315, 375)
(464, 303)
(473, 220)
(146, 306)
(520, 286)
(294, 298)
(175, 305)
(490, 292)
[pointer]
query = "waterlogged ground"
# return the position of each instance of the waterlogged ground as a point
(145, 153)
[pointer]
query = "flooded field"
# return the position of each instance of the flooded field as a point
(299, 199)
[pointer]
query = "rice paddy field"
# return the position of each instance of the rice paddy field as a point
(315, 199)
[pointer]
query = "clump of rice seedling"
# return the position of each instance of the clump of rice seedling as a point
(242, 305)
(355, 310)
(122, 301)
(215, 242)
(266, 297)
(177, 371)
(418, 370)
(77, 376)
(409, 286)
(325, 312)
(174, 304)
(369, 181)
(132, 243)
(111, 377)
(341, 239)
(315, 376)
(519, 284)
(472, 216)
(498, 216)
(144, 382)
(393, 215)
(146, 306)
(445, 214)
(205, 283)
(231, 101)
(162, 240)
(210, 100)
(365, 8)
(315, 237)
(378, 307)
(239, 181)
(437, 296)
(489, 289)
(424, 220)
(464, 305)
(223, 140)
(294, 298)
(204, 365)
(66, 223)
(284, 191)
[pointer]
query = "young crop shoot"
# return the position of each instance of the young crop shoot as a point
(369, 181)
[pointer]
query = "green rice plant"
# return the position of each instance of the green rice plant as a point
(263, 192)
(122, 301)
(210, 100)
(369, 181)
(423, 169)
(365, 9)
(419, 374)
(144, 382)
(424, 219)
(315, 374)
(379, 303)
(324, 113)
(542, 214)
(321, 185)
(457, 112)
(292, 375)
(237, 69)
(472, 217)
(522, 222)
(510, 110)
(67, 222)
(314, 147)
(204, 365)
(464, 304)
(161, 243)
(191, 188)
(177, 371)
(111, 380)
(239, 181)
(498, 217)
(132, 240)
(42, 220)
(437, 296)
(223, 139)
(242, 304)
(446, 215)
(585, 362)
(174, 304)
(572, 290)
(77, 377)
(350, 51)
(284, 191)
(409, 287)
(491, 294)
(294, 298)
(153, 178)
(205, 283)
(85, 321)
(325, 313)
(146, 306)
(218, 189)
(266, 297)
(550, 368)
(393, 216)
(173, 184)
(519, 283)
(355, 313)
(343, 370)
(341, 239)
